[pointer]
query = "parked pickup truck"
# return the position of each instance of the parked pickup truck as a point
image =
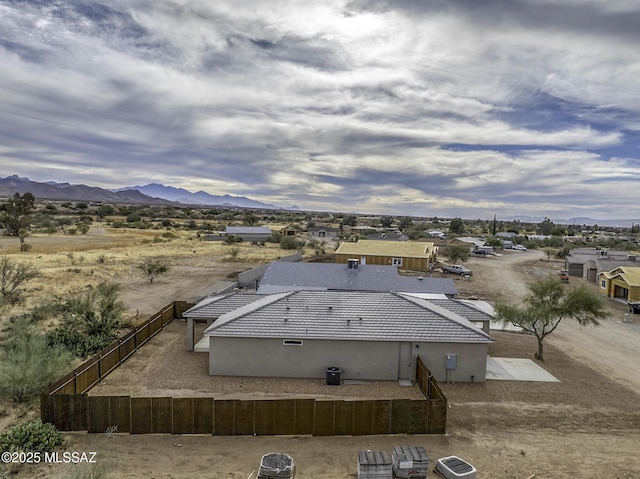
(456, 269)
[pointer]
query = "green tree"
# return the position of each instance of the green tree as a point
(546, 227)
(350, 220)
(457, 253)
(386, 221)
(456, 226)
(105, 210)
(12, 277)
(28, 363)
(549, 252)
(494, 242)
(250, 218)
(154, 267)
(546, 305)
(405, 223)
(15, 213)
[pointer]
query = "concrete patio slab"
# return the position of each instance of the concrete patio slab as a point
(517, 369)
(202, 346)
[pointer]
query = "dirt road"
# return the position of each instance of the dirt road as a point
(613, 347)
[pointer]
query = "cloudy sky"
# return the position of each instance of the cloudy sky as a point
(428, 107)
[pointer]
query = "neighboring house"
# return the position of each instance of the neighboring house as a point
(622, 283)
(368, 336)
(587, 263)
(281, 277)
(402, 254)
(249, 233)
(323, 232)
(506, 234)
(288, 231)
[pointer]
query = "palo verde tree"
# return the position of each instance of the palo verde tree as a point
(15, 215)
(546, 305)
(28, 363)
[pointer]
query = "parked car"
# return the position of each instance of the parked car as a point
(518, 247)
(456, 269)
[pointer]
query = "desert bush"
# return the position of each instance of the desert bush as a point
(289, 243)
(77, 343)
(34, 436)
(154, 267)
(28, 363)
(89, 471)
(12, 277)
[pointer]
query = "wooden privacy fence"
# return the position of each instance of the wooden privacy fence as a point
(93, 370)
(147, 415)
(66, 405)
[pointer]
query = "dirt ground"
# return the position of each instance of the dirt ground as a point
(585, 426)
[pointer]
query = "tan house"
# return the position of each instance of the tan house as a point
(622, 282)
(403, 254)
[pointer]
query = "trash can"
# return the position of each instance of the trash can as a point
(333, 376)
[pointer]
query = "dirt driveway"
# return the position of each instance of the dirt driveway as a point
(585, 426)
(613, 347)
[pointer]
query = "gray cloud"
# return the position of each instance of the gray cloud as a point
(395, 107)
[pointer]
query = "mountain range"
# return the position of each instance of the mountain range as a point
(158, 194)
(151, 194)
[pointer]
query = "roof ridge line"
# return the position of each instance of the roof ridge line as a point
(249, 308)
(445, 313)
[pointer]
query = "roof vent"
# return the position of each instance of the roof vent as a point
(420, 278)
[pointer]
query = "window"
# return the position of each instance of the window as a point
(396, 262)
(603, 284)
(292, 342)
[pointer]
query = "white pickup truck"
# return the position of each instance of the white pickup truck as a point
(456, 269)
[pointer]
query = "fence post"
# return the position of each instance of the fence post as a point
(100, 368)
(75, 382)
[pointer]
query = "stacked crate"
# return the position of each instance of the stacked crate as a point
(410, 462)
(374, 465)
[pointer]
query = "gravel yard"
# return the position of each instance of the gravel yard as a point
(164, 367)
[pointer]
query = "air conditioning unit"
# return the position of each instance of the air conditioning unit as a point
(452, 467)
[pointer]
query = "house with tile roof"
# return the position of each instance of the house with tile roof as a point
(409, 255)
(366, 335)
(280, 277)
(622, 283)
(248, 233)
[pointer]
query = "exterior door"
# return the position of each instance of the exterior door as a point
(405, 368)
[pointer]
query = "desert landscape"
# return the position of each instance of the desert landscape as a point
(587, 425)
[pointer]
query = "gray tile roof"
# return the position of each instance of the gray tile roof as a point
(215, 306)
(347, 315)
(281, 277)
(247, 230)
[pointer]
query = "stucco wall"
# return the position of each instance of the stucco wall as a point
(270, 358)
(471, 360)
(359, 359)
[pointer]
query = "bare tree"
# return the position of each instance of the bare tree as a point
(12, 277)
